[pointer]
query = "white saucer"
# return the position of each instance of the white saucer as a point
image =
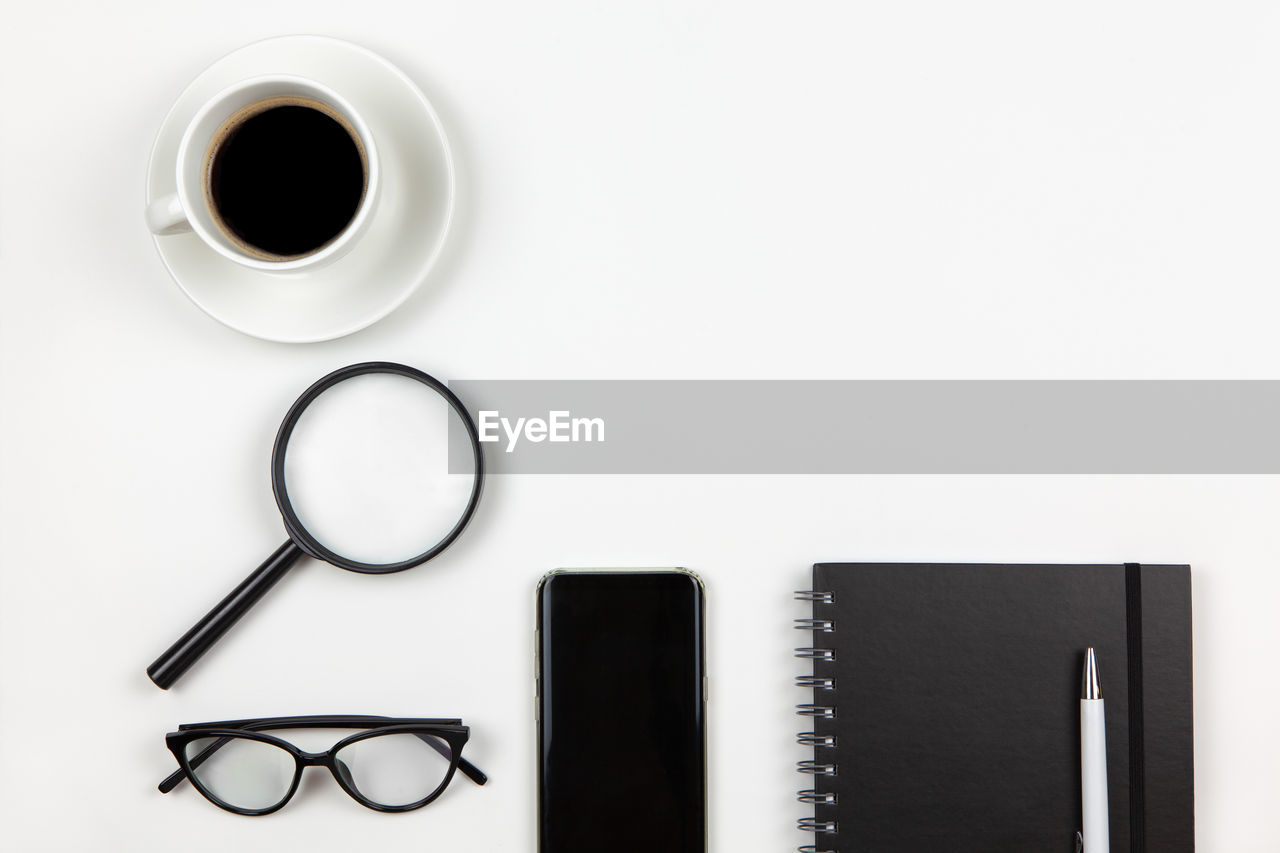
(408, 228)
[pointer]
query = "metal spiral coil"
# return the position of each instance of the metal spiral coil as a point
(824, 711)
(816, 740)
(815, 768)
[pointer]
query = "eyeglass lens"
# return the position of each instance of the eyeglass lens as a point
(243, 773)
(367, 469)
(396, 769)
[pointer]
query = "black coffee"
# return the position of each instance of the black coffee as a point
(286, 177)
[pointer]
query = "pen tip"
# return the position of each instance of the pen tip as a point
(1090, 686)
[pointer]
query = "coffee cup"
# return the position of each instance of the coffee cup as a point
(278, 173)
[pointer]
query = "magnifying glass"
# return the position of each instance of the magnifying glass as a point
(362, 477)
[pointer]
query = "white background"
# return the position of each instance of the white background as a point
(708, 190)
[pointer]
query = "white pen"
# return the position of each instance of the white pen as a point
(1096, 834)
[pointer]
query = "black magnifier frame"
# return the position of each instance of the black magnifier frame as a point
(299, 533)
(179, 657)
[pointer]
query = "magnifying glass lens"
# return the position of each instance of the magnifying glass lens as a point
(367, 469)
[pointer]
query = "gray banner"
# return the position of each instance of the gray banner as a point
(874, 427)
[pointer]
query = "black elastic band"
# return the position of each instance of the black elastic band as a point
(1137, 770)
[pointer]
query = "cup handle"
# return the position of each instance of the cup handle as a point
(166, 216)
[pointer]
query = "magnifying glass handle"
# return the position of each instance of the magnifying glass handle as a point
(170, 666)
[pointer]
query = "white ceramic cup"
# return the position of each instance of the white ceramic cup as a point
(188, 208)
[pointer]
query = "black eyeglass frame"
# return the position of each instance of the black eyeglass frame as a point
(449, 730)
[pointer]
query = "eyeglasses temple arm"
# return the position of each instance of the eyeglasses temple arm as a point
(175, 778)
(172, 780)
(475, 774)
(314, 721)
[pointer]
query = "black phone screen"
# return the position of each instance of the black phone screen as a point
(621, 725)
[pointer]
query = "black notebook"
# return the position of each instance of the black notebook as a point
(945, 711)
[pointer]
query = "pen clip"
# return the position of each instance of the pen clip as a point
(1079, 842)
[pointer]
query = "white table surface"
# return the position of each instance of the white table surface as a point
(671, 190)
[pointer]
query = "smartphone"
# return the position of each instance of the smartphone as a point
(621, 712)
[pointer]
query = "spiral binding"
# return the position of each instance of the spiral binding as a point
(815, 768)
(815, 739)
(820, 685)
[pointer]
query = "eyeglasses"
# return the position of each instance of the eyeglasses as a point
(396, 764)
